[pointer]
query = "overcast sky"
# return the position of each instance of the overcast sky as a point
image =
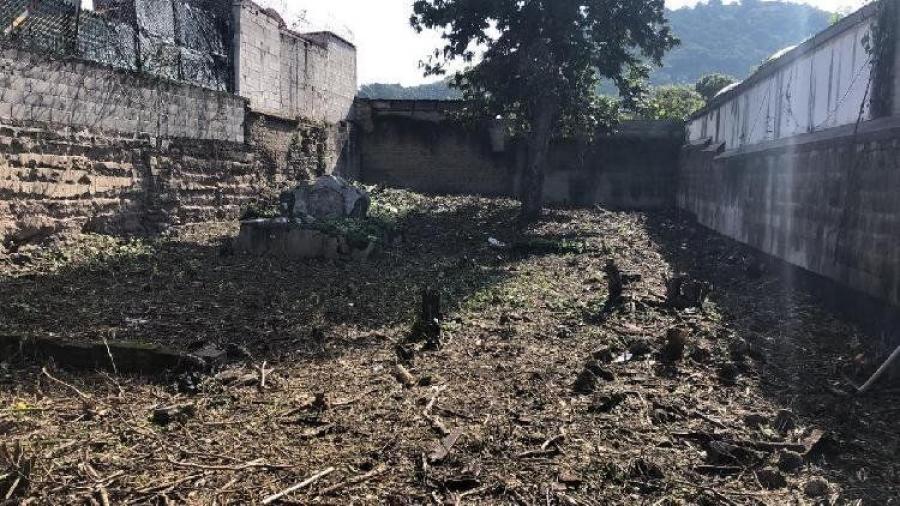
(389, 50)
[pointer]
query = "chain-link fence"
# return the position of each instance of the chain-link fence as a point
(183, 40)
(41, 26)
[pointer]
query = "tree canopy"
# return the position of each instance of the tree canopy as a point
(711, 84)
(731, 39)
(538, 63)
(672, 103)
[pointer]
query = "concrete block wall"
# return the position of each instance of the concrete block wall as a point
(84, 95)
(410, 144)
(407, 144)
(289, 75)
(826, 202)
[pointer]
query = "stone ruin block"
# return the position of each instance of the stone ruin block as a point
(328, 197)
(298, 234)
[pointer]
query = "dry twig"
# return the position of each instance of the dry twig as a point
(305, 483)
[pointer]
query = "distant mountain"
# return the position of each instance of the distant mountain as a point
(730, 39)
(434, 91)
(734, 39)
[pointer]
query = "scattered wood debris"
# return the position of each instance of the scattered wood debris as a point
(321, 396)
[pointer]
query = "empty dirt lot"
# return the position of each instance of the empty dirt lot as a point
(544, 391)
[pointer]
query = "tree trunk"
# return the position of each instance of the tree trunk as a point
(532, 193)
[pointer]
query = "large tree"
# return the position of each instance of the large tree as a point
(537, 63)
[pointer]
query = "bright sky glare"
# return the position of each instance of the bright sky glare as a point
(389, 50)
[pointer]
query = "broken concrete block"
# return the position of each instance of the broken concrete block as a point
(328, 197)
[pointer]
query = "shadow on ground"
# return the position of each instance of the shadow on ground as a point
(806, 358)
(189, 292)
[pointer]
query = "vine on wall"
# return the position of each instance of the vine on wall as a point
(881, 46)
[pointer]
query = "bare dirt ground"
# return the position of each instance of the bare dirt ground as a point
(531, 400)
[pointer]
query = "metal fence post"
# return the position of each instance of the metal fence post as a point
(138, 53)
(176, 26)
(75, 48)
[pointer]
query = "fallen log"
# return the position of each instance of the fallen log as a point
(116, 357)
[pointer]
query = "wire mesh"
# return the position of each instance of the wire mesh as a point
(40, 25)
(183, 40)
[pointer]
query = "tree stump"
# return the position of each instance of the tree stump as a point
(683, 292)
(429, 325)
(614, 281)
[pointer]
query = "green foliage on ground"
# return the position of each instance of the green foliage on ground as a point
(258, 210)
(383, 221)
(359, 232)
(548, 247)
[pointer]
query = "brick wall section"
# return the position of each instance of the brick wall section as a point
(85, 95)
(288, 74)
(410, 144)
(825, 202)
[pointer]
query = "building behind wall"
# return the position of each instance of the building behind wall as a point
(288, 74)
(300, 88)
(802, 159)
(135, 116)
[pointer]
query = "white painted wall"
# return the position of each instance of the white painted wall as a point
(823, 88)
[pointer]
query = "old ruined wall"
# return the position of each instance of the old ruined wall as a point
(408, 144)
(300, 89)
(826, 202)
(297, 150)
(635, 168)
(86, 147)
(56, 180)
(287, 74)
(411, 144)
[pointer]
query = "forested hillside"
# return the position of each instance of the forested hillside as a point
(730, 39)
(734, 39)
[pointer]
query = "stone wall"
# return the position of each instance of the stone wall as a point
(287, 74)
(826, 202)
(85, 95)
(411, 144)
(89, 147)
(296, 150)
(57, 181)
